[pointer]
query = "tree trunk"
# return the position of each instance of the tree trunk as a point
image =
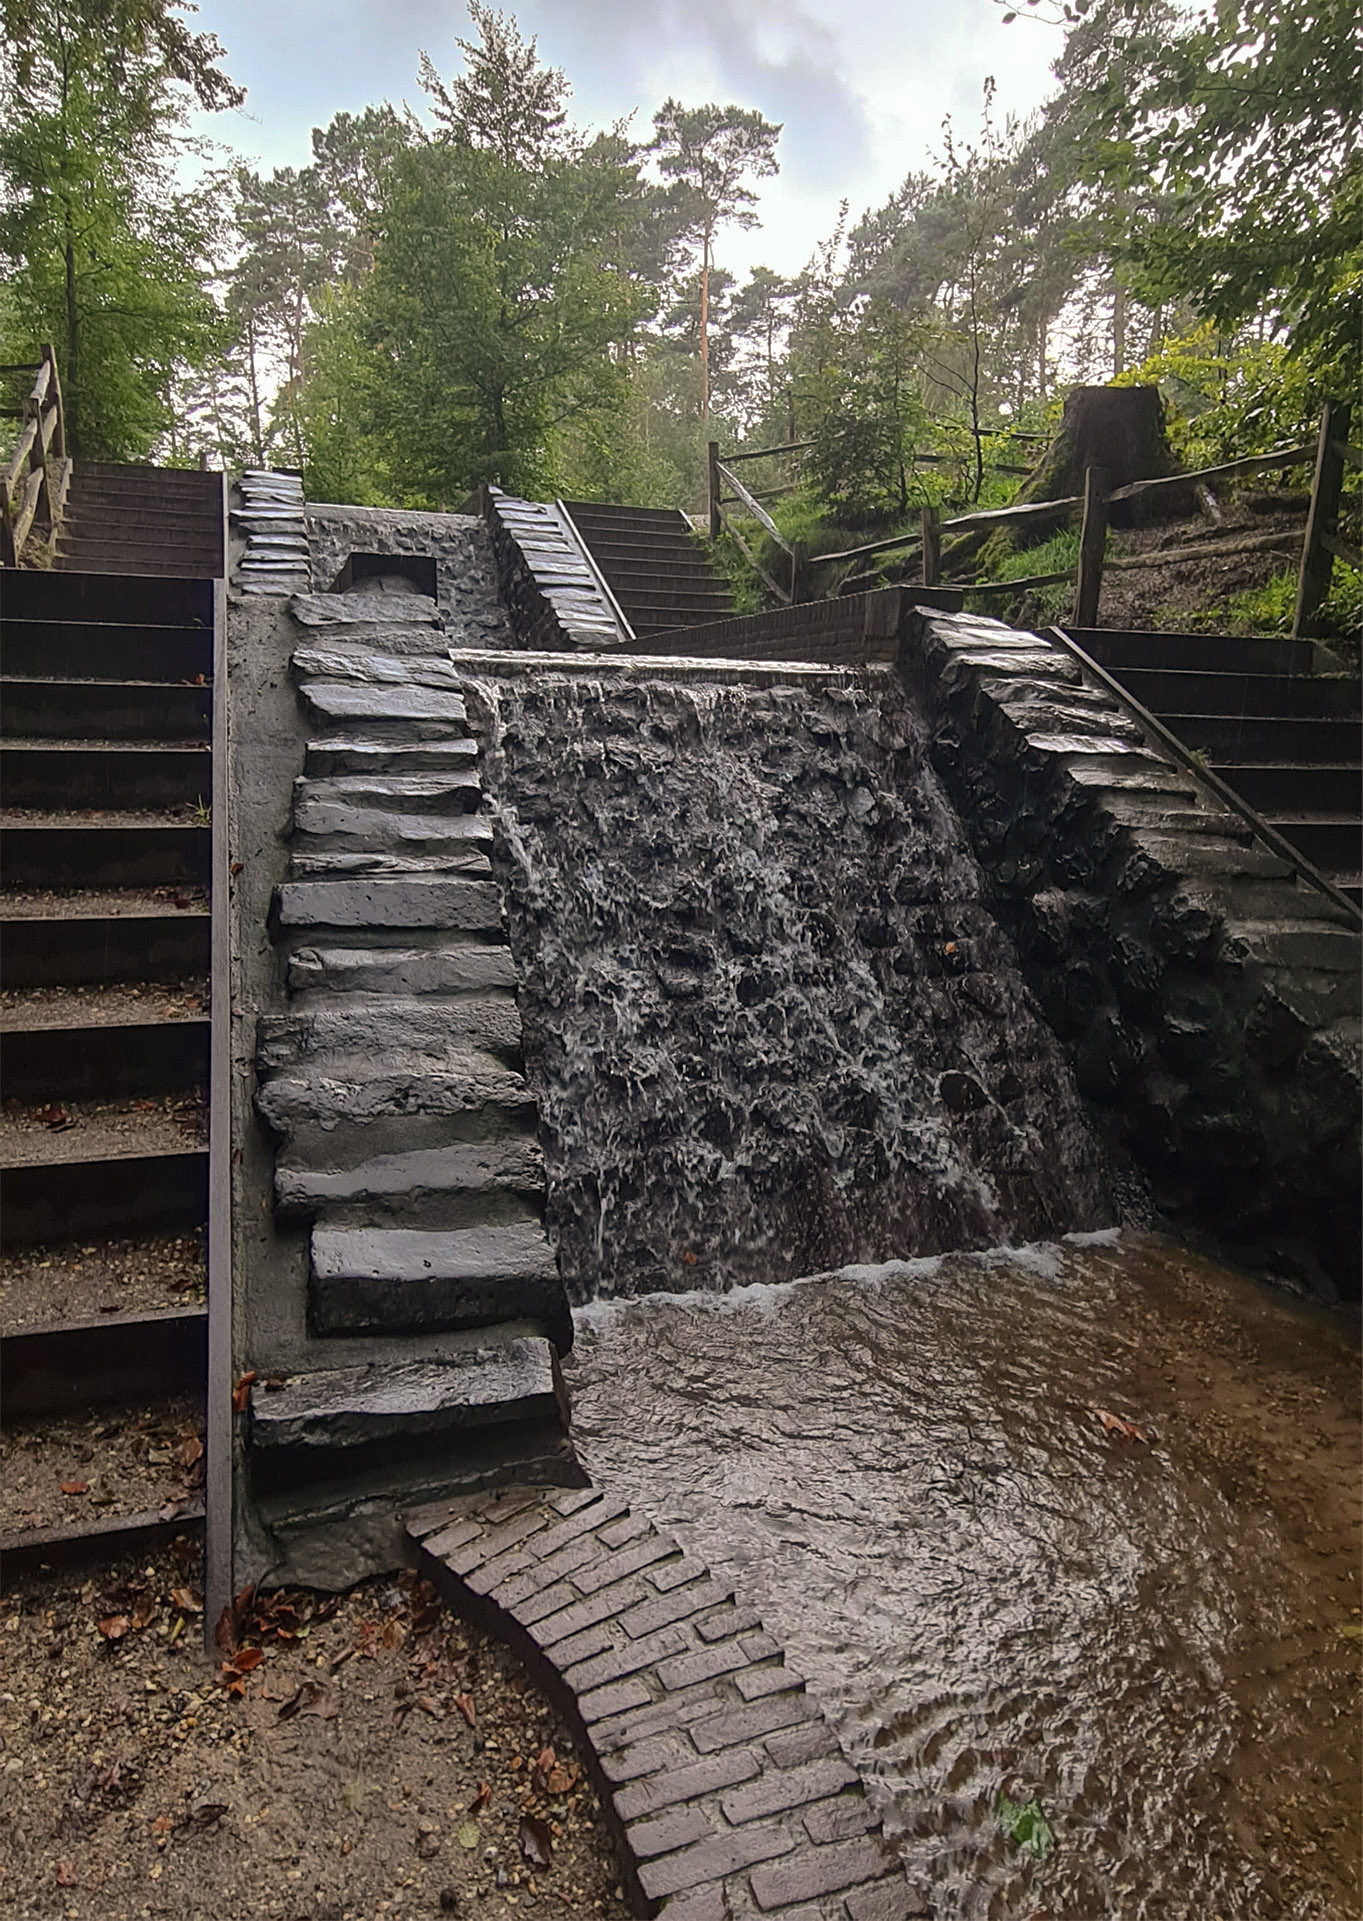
(1120, 428)
(705, 329)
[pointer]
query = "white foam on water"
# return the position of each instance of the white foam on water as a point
(1044, 1260)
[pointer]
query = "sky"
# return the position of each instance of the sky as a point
(861, 86)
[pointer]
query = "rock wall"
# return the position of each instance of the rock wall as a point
(770, 1022)
(1207, 997)
(466, 573)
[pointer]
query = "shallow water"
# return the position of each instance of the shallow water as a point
(990, 1591)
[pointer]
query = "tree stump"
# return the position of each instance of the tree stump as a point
(1122, 429)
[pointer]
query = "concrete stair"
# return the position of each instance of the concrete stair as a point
(1283, 734)
(105, 779)
(658, 571)
(125, 519)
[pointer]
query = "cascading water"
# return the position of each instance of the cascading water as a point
(1067, 1524)
(769, 1021)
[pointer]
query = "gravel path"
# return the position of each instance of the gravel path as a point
(362, 1759)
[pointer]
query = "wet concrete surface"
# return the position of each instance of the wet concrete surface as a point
(993, 1590)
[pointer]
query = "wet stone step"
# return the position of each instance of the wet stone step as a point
(339, 1420)
(64, 940)
(403, 1280)
(429, 1186)
(374, 670)
(345, 1092)
(400, 971)
(463, 906)
(420, 1029)
(321, 859)
(403, 705)
(332, 758)
(458, 788)
(379, 828)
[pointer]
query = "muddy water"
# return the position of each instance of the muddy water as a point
(992, 1592)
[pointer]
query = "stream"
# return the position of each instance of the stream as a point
(1076, 1523)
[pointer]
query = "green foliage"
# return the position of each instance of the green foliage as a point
(1023, 1822)
(1227, 398)
(856, 381)
(106, 253)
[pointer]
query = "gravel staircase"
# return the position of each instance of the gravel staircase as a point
(165, 521)
(1285, 736)
(106, 777)
(658, 570)
(406, 1133)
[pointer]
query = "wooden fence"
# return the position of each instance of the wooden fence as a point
(1321, 544)
(37, 474)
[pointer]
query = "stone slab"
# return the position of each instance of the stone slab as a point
(466, 906)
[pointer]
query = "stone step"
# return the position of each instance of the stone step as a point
(330, 758)
(400, 971)
(463, 906)
(401, 1280)
(453, 1186)
(102, 774)
(31, 594)
(347, 1420)
(339, 612)
(378, 1030)
(320, 860)
(353, 1093)
(421, 713)
(441, 790)
(1261, 737)
(368, 669)
(343, 825)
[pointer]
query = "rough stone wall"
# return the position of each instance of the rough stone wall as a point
(553, 597)
(770, 1023)
(1207, 998)
(466, 573)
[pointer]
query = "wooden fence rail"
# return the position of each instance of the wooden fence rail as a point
(37, 474)
(1330, 452)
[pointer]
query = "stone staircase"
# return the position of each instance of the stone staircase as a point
(658, 570)
(406, 1133)
(1279, 731)
(164, 521)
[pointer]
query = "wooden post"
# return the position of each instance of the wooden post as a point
(1092, 547)
(712, 477)
(1313, 579)
(932, 547)
(801, 574)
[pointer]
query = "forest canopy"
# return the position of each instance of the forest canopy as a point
(485, 290)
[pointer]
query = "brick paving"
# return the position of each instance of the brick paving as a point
(731, 1795)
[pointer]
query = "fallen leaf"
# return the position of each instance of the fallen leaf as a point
(51, 1116)
(481, 1799)
(114, 1626)
(464, 1703)
(186, 1600)
(689, 1259)
(172, 1510)
(144, 1611)
(162, 1826)
(431, 1706)
(236, 867)
(537, 1843)
(66, 1874)
(1118, 1424)
(562, 1779)
(241, 1393)
(245, 1660)
(394, 1634)
(468, 1835)
(189, 1451)
(75, 1487)
(306, 1693)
